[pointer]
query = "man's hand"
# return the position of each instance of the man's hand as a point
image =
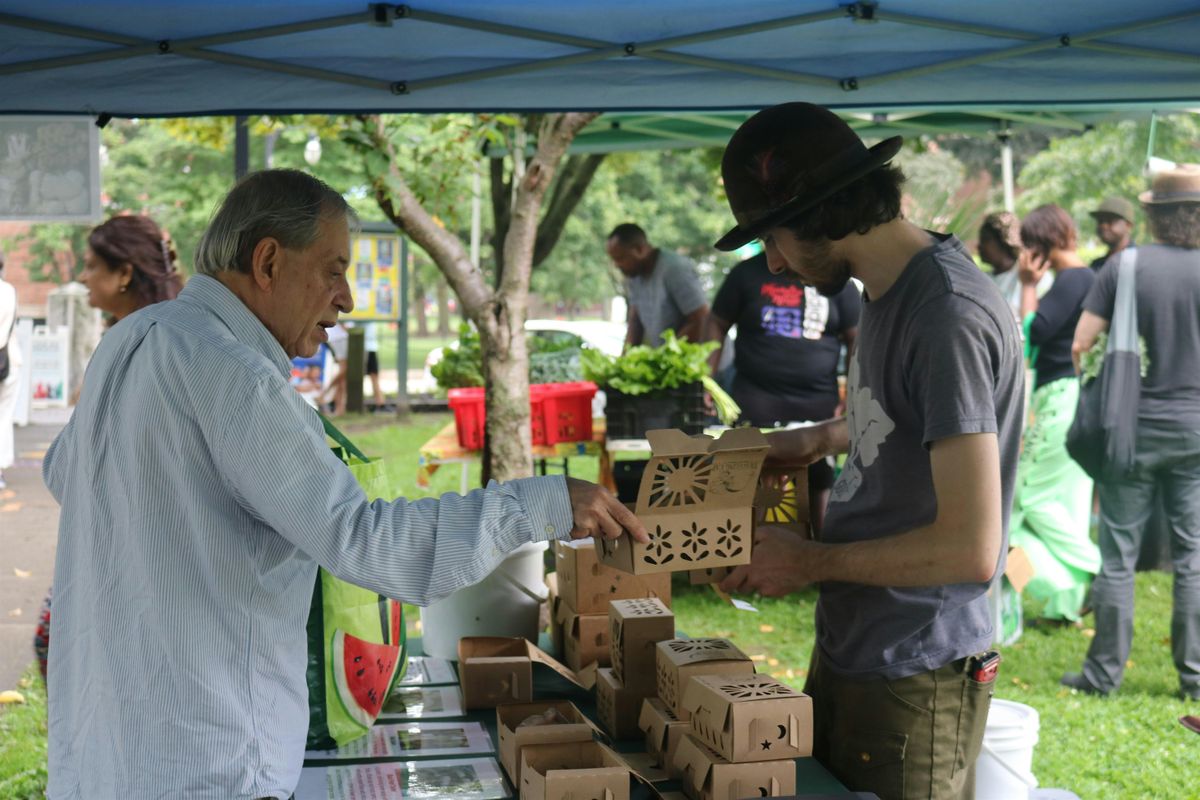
(600, 515)
(1031, 267)
(783, 563)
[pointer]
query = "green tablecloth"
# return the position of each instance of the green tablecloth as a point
(811, 777)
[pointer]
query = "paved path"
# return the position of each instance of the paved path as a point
(28, 535)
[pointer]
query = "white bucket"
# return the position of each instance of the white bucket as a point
(505, 603)
(1004, 770)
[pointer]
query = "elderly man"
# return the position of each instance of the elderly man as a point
(917, 520)
(662, 287)
(198, 497)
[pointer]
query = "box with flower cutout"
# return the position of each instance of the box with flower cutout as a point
(696, 500)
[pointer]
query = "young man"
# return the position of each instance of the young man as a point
(917, 522)
(1114, 226)
(662, 288)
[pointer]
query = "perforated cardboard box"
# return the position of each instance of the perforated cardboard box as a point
(499, 669)
(617, 707)
(513, 737)
(663, 730)
(573, 771)
(679, 659)
(636, 627)
(696, 500)
(585, 638)
(749, 717)
(782, 500)
(707, 776)
(588, 586)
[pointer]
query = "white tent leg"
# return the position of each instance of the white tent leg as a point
(1006, 170)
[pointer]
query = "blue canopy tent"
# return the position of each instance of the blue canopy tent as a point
(187, 57)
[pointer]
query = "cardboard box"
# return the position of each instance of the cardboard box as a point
(782, 501)
(585, 638)
(617, 706)
(513, 737)
(696, 501)
(663, 731)
(678, 660)
(587, 586)
(749, 717)
(707, 776)
(497, 669)
(572, 771)
(636, 627)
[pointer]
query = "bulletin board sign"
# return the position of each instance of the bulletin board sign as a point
(375, 263)
(49, 169)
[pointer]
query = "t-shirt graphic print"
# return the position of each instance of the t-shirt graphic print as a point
(869, 429)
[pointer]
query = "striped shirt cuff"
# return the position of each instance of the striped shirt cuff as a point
(548, 505)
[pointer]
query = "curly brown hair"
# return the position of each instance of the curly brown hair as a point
(1004, 228)
(871, 200)
(139, 242)
(1176, 224)
(1048, 228)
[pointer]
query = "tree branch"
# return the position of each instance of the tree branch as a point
(576, 176)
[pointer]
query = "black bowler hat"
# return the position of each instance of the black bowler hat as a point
(788, 158)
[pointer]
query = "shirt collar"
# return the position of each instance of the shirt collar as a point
(245, 327)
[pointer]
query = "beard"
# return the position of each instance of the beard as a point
(823, 271)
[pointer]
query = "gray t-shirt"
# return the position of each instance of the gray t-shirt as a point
(665, 296)
(1168, 310)
(939, 355)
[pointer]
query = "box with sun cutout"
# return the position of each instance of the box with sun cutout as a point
(696, 500)
(678, 660)
(749, 717)
(636, 626)
(782, 501)
(588, 586)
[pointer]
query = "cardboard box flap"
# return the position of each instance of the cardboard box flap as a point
(707, 476)
(494, 649)
(1018, 568)
(695, 651)
(693, 764)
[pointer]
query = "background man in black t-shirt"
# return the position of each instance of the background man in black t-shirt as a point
(789, 339)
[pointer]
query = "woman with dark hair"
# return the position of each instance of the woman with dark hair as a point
(1053, 500)
(1000, 248)
(129, 265)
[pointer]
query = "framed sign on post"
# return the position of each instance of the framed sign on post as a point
(49, 169)
(375, 275)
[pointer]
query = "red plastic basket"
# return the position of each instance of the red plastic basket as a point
(558, 412)
(561, 412)
(469, 419)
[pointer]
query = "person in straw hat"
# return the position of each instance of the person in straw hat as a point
(916, 526)
(1167, 450)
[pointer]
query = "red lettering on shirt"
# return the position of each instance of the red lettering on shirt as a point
(781, 295)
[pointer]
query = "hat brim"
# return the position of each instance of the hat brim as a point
(1102, 212)
(876, 157)
(1149, 198)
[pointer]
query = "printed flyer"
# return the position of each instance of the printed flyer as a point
(471, 779)
(412, 740)
(426, 671)
(422, 702)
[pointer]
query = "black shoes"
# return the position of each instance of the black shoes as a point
(1078, 682)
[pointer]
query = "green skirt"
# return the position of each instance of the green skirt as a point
(1052, 506)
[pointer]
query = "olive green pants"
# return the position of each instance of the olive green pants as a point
(915, 737)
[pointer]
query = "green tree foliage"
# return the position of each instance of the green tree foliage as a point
(941, 195)
(1077, 172)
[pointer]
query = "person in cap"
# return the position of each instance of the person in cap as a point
(199, 494)
(1114, 226)
(1167, 448)
(662, 287)
(916, 525)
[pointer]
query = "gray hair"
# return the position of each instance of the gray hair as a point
(284, 204)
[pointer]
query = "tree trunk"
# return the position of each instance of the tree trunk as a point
(443, 309)
(418, 307)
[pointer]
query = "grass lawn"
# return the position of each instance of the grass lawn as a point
(418, 347)
(1127, 746)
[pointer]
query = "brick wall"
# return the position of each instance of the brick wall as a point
(31, 295)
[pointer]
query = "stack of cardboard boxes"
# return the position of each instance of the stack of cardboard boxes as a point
(635, 626)
(745, 732)
(580, 594)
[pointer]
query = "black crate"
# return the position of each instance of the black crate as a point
(629, 416)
